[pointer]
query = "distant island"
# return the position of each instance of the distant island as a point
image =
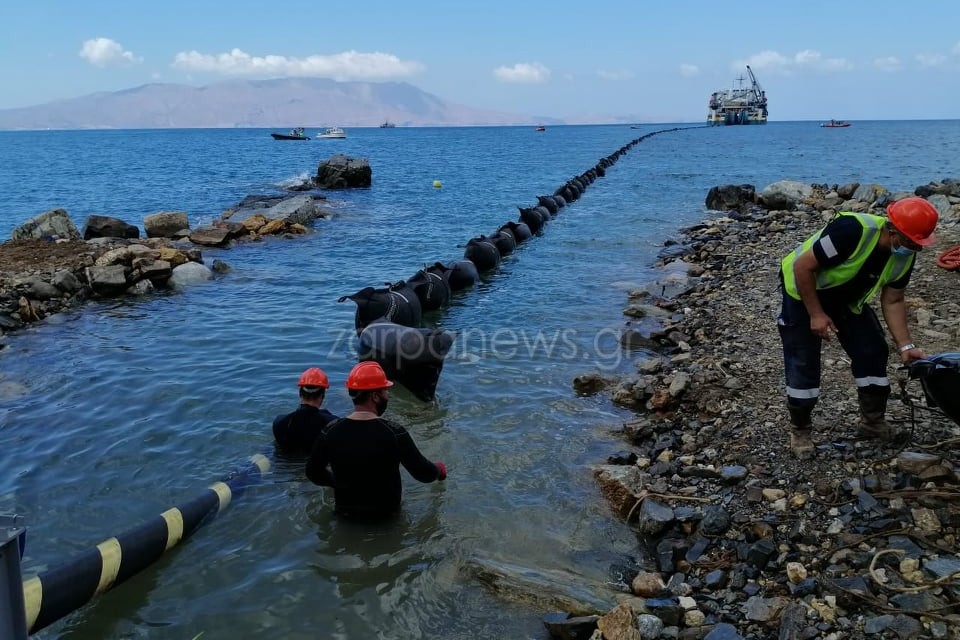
(283, 102)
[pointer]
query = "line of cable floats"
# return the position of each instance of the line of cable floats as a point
(388, 319)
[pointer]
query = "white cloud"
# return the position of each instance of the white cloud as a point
(689, 70)
(523, 73)
(104, 51)
(348, 65)
(775, 62)
(930, 59)
(889, 63)
(614, 75)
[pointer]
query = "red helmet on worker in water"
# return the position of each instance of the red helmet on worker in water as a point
(915, 218)
(367, 376)
(314, 377)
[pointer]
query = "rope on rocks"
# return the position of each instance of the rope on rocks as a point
(921, 587)
(950, 259)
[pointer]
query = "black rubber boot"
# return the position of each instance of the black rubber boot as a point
(873, 414)
(801, 431)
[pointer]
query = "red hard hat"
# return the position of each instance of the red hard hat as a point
(313, 377)
(915, 218)
(367, 376)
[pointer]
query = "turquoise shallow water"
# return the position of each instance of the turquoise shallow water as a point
(124, 408)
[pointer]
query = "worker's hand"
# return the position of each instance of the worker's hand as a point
(821, 325)
(442, 468)
(910, 355)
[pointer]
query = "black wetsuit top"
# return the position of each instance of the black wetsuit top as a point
(295, 432)
(361, 460)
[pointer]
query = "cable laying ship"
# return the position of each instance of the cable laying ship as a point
(740, 105)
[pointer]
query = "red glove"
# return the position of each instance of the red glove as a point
(442, 468)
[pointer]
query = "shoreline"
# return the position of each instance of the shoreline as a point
(742, 540)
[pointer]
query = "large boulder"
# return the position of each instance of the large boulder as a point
(108, 227)
(731, 197)
(165, 224)
(785, 194)
(342, 172)
(55, 223)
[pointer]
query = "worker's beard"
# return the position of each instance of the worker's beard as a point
(381, 405)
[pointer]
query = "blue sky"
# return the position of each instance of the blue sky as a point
(653, 61)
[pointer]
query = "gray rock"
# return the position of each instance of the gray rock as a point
(917, 601)
(716, 521)
(732, 473)
(66, 281)
(165, 224)
(731, 197)
(942, 566)
(40, 289)
(906, 627)
(723, 631)
(649, 626)
(654, 517)
(107, 280)
(55, 223)
(342, 172)
(190, 273)
(564, 627)
(877, 624)
(210, 236)
(784, 194)
(108, 227)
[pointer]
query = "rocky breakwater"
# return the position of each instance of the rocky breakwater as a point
(737, 538)
(48, 266)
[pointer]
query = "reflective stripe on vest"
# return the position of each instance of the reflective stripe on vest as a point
(873, 226)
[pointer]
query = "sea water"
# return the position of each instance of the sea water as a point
(113, 413)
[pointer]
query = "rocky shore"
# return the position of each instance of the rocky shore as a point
(49, 266)
(742, 540)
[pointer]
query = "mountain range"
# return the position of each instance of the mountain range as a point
(282, 102)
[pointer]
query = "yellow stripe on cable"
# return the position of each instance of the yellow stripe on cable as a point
(174, 520)
(111, 554)
(223, 492)
(32, 599)
(261, 461)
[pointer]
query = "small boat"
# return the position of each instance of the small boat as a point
(295, 134)
(540, 128)
(833, 124)
(387, 125)
(332, 132)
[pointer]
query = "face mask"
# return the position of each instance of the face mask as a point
(904, 252)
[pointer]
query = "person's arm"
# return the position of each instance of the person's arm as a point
(894, 309)
(318, 465)
(805, 269)
(415, 462)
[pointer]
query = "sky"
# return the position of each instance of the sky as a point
(649, 61)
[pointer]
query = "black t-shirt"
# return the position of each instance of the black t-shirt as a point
(361, 460)
(836, 244)
(295, 432)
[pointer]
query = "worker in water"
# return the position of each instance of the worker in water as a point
(360, 455)
(295, 432)
(828, 282)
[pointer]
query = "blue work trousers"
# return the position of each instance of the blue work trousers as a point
(860, 335)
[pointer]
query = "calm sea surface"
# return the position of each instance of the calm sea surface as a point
(112, 414)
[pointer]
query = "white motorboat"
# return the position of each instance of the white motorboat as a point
(332, 132)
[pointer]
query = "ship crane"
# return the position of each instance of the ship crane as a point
(758, 93)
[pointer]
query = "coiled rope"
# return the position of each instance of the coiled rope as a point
(950, 259)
